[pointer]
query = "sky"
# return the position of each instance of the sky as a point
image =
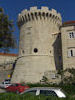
(13, 7)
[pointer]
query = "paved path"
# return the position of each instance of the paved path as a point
(2, 91)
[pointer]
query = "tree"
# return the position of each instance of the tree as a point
(7, 39)
(70, 79)
(68, 76)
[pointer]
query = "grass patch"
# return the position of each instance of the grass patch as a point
(13, 96)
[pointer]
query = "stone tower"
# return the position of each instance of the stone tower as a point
(36, 54)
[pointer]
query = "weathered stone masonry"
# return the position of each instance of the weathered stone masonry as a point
(39, 29)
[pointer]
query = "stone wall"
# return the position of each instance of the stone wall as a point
(6, 59)
(6, 65)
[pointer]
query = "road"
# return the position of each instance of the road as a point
(2, 91)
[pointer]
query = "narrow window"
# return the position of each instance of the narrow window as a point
(50, 51)
(71, 52)
(23, 51)
(71, 35)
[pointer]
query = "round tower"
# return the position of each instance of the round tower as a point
(36, 54)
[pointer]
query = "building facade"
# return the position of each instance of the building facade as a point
(68, 44)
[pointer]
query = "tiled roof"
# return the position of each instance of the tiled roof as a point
(8, 54)
(68, 23)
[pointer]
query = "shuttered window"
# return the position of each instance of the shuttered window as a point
(71, 52)
(72, 35)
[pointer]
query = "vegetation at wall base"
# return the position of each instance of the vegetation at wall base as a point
(13, 96)
(68, 88)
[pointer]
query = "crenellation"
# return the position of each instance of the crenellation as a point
(22, 18)
(19, 17)
(33, 9)
(35, 13)
(25, 18)
(24, 11)
(59, 17)
(56, 18)
(39, 15)
(28, 17)
(44, 9)
(32, 16)
(54, 11)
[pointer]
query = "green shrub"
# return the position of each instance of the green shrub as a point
(13, 96)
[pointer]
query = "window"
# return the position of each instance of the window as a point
(50, 51)
(71, 52)
(72, 34)
(32, 92)
(35, 50)
(48, 93)
(23, 51)
(6, 83)
(16, 85)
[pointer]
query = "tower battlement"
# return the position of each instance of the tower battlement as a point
(34, 14)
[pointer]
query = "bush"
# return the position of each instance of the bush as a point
(13, 96)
